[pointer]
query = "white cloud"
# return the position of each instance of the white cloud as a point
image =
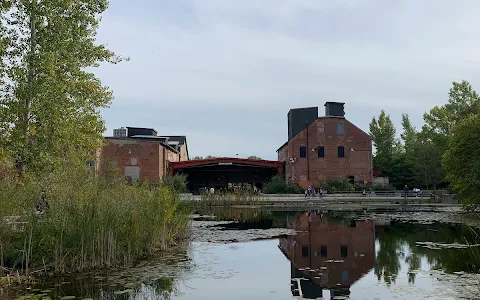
(269, 56)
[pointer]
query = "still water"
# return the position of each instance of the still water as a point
(285, 255)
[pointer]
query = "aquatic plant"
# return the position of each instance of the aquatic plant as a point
(88, 223)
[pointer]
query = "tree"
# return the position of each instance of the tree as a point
(254, 157)
(463, 101)
(435, 138)
(382, 132)
(427, 162)
(210, 157)
(49, 104)
(462, 160)
(197, 158)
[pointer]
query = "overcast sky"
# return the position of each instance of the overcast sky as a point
(225, 73)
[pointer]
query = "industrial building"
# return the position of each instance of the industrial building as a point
(226, 172)
(140, 154)
(320, 148)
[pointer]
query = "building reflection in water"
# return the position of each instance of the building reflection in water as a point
(328, 254)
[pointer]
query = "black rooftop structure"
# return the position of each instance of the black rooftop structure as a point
(334, 109)
(299, 119)
(131, 131)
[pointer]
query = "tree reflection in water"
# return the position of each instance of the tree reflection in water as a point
(317, 261)
(387, 262)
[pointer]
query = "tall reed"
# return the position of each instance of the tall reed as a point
(90, 223)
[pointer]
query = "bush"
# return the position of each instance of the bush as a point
(340, 184)
(89, 222)
(384, 188)
(277, 185)
(177, 182)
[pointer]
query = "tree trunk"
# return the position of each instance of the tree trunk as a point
(22, 163)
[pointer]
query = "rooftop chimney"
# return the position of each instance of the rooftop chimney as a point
(334, 109)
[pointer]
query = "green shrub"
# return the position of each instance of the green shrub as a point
(90, 222)
(277, 185)
(340, 184)
(177, 182)
(384, 188)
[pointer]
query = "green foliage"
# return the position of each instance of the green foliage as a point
(177, 182)
(340, 184)
(49, 103)
(382, 132)
(210, 157)
(197, 158)
(254, 157)
(384, 188)
(277, 185)
(90, 223)
(462, 160)
(417, 159)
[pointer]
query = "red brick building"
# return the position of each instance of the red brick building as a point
(143, 156)
(325, 147)
(330, 254)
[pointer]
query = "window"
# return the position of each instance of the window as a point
(341, 151)
(344, 251)
(133, 161)
(320, 129)
(304, 251)
(340, 129)
(91, 164)
(303, 151)
(321, 151)
(345, 276)
(323, 251)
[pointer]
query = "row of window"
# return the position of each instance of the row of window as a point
(340, 129)
(321, 151)
(324, 253)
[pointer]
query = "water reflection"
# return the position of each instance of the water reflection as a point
(348, 255)
(333, 253)
(328, 254)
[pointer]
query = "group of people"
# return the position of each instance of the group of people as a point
(310, 192)
(234, 190)
(416, 191)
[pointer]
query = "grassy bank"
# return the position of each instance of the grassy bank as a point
(89, 223)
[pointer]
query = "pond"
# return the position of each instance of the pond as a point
(248, 254)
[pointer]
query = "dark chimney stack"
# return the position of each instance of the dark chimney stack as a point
(334, 109)
(299, 118)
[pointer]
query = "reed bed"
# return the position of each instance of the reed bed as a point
(229, 199)
(89, 224)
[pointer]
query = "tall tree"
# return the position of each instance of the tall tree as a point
(463, 101)
(50, 102)
(462, 160)
(409, 133)
(382, 132)
(427, 165)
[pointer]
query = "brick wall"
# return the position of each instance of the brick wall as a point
(145, 155)
(323, 132)
(183, 152)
